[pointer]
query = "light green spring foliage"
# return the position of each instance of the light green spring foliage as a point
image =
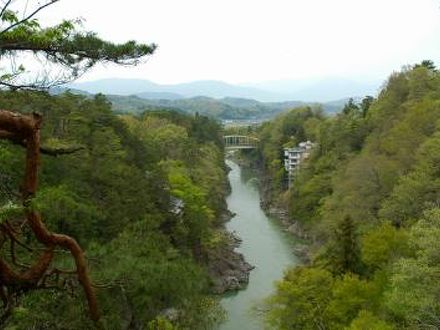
(378, 163)
(368, 321)
(349, 295)
(414, 291)
(160, 323)
(311, 298)
(384, 244)
(301, 299)
(420, 188)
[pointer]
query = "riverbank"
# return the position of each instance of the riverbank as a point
(302, 248)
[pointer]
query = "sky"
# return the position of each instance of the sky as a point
(246, 41)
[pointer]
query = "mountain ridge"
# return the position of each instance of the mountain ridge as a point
(225, 108)
(323, 90)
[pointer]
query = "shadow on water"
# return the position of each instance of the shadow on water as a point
(265, 245)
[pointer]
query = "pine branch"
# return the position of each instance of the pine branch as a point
(27, 18)
(5, 7)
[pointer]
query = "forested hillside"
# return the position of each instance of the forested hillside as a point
(368, 199)
(143, 197)
(225, 108)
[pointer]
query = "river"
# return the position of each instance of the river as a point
(265, 245)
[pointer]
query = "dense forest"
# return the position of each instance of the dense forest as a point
(142, 196)
(368, 201)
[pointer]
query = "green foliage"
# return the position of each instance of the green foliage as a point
(311, 192)
(311, 298)
(350, 295)
(412, 297)
(197, 216)
(114, 197)
(368, 198)
(34, 314)
(155, 274)
(160, 323)
(9, 211)
(301, 300)
(383, 245)
(342, 253)
(66, 212)
(368, 321)
(417, 190)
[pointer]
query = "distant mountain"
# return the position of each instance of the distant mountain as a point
(61, 90)
(218, 89)
(226, 101)
(322, 90)
(274, 91)
(116, 86)
(332, 89)
(147, 89)
(226, 108)
(159, 96)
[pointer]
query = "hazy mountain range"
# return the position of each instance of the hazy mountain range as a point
(224, 108)
(275, 91)
(226, 101)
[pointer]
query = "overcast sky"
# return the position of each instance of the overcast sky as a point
(241, 41)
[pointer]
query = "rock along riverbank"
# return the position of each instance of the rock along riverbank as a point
(228, 268)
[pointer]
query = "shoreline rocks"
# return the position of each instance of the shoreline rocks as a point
(228, 269)
(302, 251)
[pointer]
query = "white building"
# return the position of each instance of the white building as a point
(294, 156)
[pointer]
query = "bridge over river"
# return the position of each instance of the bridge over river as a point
(235, 142)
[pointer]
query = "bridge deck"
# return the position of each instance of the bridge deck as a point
(240, 142)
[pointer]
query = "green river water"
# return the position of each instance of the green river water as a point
(265, 245)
